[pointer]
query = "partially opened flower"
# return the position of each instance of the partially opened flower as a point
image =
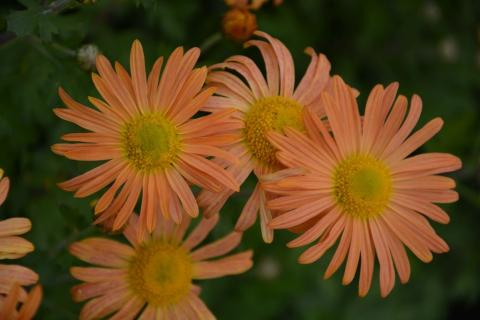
(356, 184)
(263, 105)
(15, 302)
(144, 130)
(152, 277)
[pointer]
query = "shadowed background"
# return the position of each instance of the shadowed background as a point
(430, 47)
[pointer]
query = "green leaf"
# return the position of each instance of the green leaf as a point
(23, 23)
(47, 27)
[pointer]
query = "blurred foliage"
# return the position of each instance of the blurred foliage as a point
(431, 47)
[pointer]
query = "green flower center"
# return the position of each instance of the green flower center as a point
(160, 273)
(150, 141)
(362, 186)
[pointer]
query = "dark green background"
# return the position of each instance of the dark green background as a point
(430, 47)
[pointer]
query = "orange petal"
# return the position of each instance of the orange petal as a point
(217, 248)
(231, 265)
(14, 227)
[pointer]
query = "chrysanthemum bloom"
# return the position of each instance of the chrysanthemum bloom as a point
(152, 277)
(13, 277)
(357, 184)
(262, 105)
(144, 128)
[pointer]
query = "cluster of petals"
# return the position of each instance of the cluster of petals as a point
(15, 302)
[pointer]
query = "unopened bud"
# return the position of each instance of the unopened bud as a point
(87, 55)
(239, 24)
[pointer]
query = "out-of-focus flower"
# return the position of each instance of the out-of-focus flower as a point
(152, 277)
(252, 5)
(263, 104)
(431, 11)
(145, 131)
(15, 302)
(239, 24)
(268, 268)
(87, 55)
(357, 183)
(449, 49)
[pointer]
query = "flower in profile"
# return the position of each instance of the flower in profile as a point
(263, 105)
(144, 130)
(15, 302)
(152, 277)
(358, 185)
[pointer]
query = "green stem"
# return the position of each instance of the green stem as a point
(211, 41)
(65, 50)
(57, 6)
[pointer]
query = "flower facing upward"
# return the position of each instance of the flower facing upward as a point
(15, 302)
(144, 129)
(262, 105)
(152, 277)
(357, 184)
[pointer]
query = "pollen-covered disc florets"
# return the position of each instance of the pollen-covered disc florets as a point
(270, 114)
(362, 185)
(150, 141)
(161, 273)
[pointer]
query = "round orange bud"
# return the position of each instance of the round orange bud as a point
(239, 24)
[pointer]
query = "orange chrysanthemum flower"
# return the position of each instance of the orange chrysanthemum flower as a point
(152, 277)
(144, 128)
(357, 184)
(263, 105)
(13, 277)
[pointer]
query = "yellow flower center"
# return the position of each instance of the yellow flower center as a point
(150, 141)
(270, 114)
(362, 186)
(160, 273)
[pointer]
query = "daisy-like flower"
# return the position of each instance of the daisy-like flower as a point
(145, 131)
(14, 277)
(152, 277)
(357, 184)
(262, 105)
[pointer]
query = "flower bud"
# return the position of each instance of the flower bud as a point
(239, 24)
(87, 55)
